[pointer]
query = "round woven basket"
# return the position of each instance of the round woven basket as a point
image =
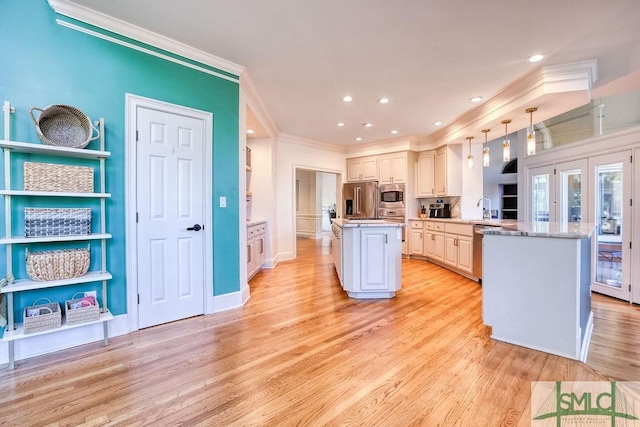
(64, 126)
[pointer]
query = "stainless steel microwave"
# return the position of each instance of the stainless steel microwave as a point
(391, 195)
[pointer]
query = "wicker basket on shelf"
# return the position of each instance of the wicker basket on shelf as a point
(63, 126)
(58, 264)
(40, 222)
(57, 178)
(42, 317)
(81, 310)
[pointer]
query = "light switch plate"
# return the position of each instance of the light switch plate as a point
(223, 202)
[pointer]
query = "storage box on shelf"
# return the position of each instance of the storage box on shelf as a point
(73, 190)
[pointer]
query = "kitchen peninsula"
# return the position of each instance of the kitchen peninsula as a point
(368, 256)
(536, 286)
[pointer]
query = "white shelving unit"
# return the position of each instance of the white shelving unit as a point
(14, 331)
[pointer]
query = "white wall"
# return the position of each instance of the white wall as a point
(295, 154)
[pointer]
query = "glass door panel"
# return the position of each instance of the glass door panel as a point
(611, 184)
(542, 201)
(572, 191)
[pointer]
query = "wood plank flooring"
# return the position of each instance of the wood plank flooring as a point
(300, 352)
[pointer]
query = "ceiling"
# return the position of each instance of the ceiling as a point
(428, 57)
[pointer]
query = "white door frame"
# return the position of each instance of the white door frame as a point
(132, 102)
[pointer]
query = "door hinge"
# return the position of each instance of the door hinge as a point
(554, 171)
(629, 245)
(138, 299)
(631, 158)
(136, 217)
(630, 202)
(136, 136)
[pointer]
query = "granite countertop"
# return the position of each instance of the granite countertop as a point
(341, 222)
(572, 230)
(491, 222)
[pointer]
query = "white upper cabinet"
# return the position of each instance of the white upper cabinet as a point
(362, 168)
(447, 179)
(393, 168)
(425, 174)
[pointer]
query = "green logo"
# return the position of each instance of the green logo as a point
(581, 403)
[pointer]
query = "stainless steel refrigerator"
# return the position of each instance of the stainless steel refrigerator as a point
(360, 199)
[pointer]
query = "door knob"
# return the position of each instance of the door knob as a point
(196, 227)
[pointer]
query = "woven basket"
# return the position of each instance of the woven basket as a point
(58, 178)
(40, 222)
(58, 264)
(64, 126)
(49, 316)
(86, 312)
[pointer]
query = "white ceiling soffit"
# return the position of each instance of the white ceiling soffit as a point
(552, 89)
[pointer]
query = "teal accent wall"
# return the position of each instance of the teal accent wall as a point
(43, 63)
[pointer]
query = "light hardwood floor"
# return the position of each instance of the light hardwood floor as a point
(300, 352)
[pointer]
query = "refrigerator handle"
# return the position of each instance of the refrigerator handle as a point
(357, 197)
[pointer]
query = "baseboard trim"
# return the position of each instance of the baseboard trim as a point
(231, 300)
(64, 339)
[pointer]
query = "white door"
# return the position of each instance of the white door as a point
(169, 204)
(610, 210)
(542, 201)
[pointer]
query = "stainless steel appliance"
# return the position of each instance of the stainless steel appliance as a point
(360, 199)
(392, 196)
(477, 249)
(392, 206)
(439, 210)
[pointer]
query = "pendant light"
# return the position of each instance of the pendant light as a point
(531, 137)
(485, 151)
(469, 157)
(506, 145)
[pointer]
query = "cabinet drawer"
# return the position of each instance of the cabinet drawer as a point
(251, 231)
(416, 225)
(433, 226)
(461, 229)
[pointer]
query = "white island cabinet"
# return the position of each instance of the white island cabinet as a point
(370, 257)
(536, 286)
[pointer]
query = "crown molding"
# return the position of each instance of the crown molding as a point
(402, 143)
(559, 87)
(307, 142)
(257, 105)
(109, 23)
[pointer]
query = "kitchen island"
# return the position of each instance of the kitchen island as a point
(536, 286)
(367, 255)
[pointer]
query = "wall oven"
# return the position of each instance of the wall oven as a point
(391, 207)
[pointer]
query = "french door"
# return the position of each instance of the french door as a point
(610, 185)
(558, 192)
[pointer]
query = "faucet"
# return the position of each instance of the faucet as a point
(486, 214)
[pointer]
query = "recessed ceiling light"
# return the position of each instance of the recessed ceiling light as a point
(250, 131)
(437, 123)
(367, 125)
(347, 98)
(383, 100)
(394, 132)
(340, 124)
(536, 58)
(358, 138)
(476, 99)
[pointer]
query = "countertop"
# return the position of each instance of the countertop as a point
(490, 222)
(255, 222)
(572, 230)
(348, 223)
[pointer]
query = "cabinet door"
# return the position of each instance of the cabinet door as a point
(386, 170)
(399, 168)
(374, 260)
(438, 246)
(416, 242)
(425, 175)
(465, 253)
(429, 244)
(370, 168)
(354, 170)
(451, 249)
(441, 171)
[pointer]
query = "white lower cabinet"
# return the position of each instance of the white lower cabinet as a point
(416, 237)
(256, 248)
(458, 247)
(372, 260)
